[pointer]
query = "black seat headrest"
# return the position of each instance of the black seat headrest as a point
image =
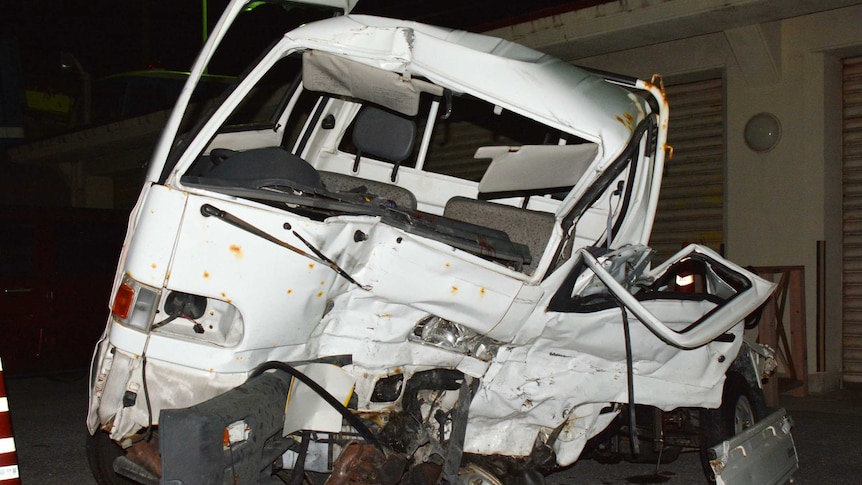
(384, 135)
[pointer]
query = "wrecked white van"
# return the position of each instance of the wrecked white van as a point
(396, 253)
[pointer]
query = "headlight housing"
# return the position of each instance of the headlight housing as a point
(184, 315)
(439, 332)
(135, 304)
(196, 317)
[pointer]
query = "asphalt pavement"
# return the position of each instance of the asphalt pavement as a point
(48, 415)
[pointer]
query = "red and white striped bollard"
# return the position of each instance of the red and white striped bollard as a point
(8, 454)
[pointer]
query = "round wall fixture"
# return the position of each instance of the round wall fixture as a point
(762, 132)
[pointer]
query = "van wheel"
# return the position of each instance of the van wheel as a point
(473, 473)
(741, 406)
(101, 452)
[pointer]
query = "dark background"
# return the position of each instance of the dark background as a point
(109, 37)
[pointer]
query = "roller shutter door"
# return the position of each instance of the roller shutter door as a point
(852, 297)
(691, 204)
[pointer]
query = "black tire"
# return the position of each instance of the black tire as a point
(742, 405)
(101, 452)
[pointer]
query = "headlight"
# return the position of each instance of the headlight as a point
(439, 332)
(135, 304)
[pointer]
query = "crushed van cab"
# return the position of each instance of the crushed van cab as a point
(397, 253)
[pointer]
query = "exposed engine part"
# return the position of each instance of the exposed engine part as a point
(364, 463)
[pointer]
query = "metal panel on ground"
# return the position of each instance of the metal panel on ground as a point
(691, 205)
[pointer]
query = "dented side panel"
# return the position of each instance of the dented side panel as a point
(440, 280)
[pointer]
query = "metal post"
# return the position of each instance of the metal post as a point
(821, 306)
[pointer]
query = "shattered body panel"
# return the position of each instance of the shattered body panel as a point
(500, 304)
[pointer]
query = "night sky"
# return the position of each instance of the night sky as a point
(109, 37)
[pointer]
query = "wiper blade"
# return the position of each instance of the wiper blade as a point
(208, 210)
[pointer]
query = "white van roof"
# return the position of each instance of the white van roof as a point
(515, 77)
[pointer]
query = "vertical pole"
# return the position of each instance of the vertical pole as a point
(205, 27)
(821, 306)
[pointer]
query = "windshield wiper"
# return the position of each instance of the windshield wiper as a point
(208, 210)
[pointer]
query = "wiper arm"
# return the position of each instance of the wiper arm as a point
(208, 210)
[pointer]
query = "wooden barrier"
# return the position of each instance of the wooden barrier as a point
(788, 300)
(8, 454)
